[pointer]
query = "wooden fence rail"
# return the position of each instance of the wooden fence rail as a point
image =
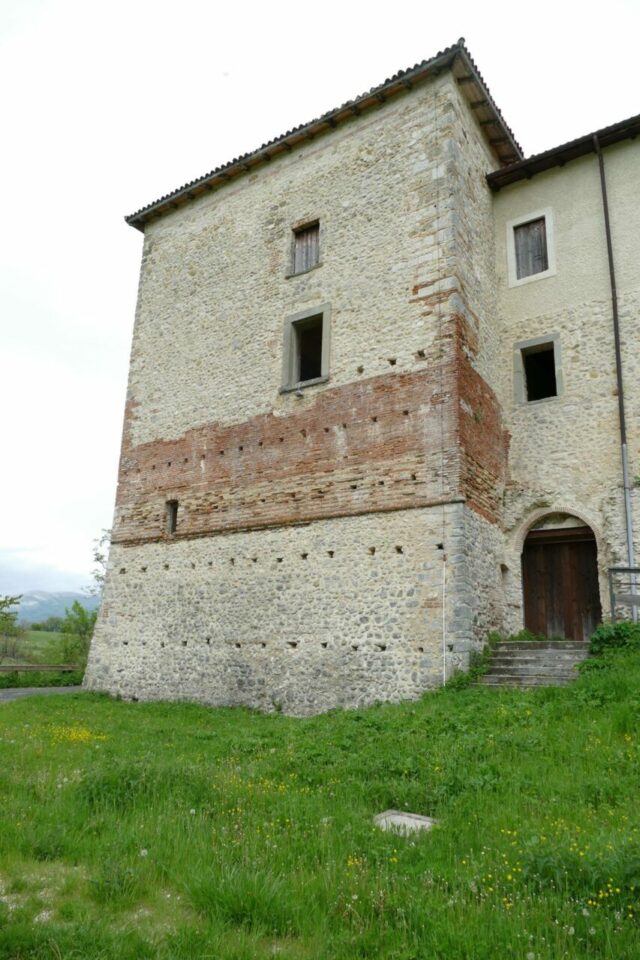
(38, 668)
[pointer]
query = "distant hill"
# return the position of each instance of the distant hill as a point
(40, 604)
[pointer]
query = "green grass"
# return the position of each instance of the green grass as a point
(35, 646)
(178, 832)
(38, 646)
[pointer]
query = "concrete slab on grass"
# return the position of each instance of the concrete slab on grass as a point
(402, 822)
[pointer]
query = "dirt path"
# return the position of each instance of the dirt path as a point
(15, 693)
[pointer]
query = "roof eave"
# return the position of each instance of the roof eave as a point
(558, 156)
(456, 58)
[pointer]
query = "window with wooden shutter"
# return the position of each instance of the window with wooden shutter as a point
(306, 248)
(531, 248)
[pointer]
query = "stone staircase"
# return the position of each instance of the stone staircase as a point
(535, 664)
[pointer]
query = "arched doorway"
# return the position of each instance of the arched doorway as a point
(560, 579)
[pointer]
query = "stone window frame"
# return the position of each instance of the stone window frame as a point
(171, 517)
(300, 227)
(545, 214)
(289, 348)
(519, 376)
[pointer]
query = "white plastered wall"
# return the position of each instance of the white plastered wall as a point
(565, 451)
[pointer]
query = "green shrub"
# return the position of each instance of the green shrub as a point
(479, 663)
(608, 636)
(75, 649)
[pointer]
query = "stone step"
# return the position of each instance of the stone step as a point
(533, 680)
(543, 656)
(537, 661)
(543, 645)
(532, 669)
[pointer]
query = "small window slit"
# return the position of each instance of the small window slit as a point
(171, 514)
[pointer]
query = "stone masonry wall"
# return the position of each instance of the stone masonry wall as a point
(318, 535)
(337, 613)
(215, 287)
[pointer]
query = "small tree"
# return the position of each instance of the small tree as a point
(100, 558)
(77, 628)
(10, 630)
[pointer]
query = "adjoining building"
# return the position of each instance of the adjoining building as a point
(384, 379)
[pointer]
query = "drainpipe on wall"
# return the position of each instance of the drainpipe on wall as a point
(444, 619)
(620, 384)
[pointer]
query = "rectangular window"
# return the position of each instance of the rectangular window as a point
(172, 516)
(306, 348)
(531, 248)
(539, 364)
(306, 248)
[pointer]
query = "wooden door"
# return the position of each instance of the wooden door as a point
(560, 583)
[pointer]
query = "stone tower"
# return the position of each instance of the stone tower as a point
(311, 495)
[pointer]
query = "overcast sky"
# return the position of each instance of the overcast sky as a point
(108, 106)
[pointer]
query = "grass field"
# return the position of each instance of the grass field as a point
(38, 646)
(178, 832)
